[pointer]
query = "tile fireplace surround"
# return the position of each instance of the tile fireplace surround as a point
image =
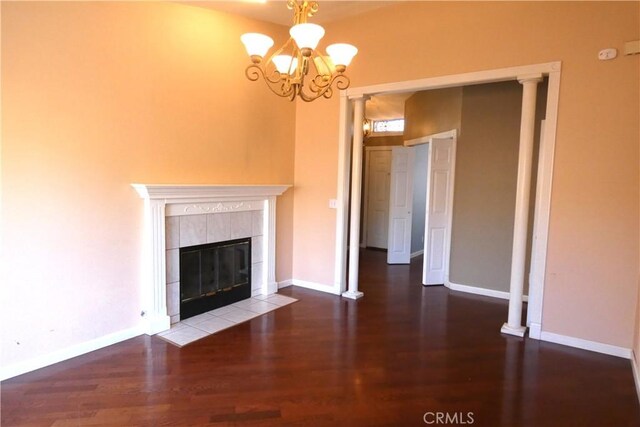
(185, 215)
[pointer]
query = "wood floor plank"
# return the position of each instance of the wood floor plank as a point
(385, 360)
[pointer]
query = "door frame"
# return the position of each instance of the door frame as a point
(552, 70)
(365, 193)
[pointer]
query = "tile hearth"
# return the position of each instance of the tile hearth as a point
(202, 325)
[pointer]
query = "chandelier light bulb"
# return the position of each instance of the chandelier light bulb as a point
(285, 64)
(324, 65)
(307, 36)
(256, 44)
(341, 53)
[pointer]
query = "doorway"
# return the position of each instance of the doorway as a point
(408, 199)
(542, 199)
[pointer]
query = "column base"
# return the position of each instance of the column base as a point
(272, 288)
(155, 323)
(353, 295)
(518, 331)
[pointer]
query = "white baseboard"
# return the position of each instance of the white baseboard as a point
(285, 283)
(480, 291)
(38, 362)
(598, 347)
(636, 372)
(417, 253)
(330, 289)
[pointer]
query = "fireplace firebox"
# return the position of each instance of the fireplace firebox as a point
(214, 275)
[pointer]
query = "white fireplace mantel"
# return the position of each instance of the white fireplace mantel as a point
(182, 192)
(172, 200)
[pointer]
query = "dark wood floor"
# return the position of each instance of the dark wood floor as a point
(399, 353)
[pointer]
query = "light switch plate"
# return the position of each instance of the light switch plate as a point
(333, 203)
(632, 48)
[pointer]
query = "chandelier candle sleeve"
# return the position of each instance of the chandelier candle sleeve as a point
(297, 68)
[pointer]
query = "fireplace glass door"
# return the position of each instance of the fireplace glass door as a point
(214, 275)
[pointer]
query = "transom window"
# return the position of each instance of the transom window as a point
(386, 126)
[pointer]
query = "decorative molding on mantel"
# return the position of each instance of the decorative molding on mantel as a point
(162, 200)
(199, 208)
(218, 192)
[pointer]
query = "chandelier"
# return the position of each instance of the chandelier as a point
(297, 68)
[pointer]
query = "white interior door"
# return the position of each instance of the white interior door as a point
(400, 205)
(377, 231)
(437, 241)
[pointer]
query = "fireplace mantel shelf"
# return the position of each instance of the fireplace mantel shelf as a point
(182, 191)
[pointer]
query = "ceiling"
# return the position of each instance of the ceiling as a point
(276, 11)
(385, 107)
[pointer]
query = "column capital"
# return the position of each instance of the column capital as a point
(360, 97)
(530, 78)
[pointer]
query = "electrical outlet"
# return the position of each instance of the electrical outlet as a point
(333, 203)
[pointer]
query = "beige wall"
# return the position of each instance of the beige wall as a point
(485, 186)
(432, 111)
(97, 96)
(488, 119)
(315, 183)
(636, 337)
(592, 262)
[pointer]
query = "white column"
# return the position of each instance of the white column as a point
(155, 316)
(518, 255)
(270, 286)
(356, 174)
(342, 211)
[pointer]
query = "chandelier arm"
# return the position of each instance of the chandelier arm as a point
(285, 89)
(319, 82)
(342, 83)
(308, 98)
(254, 72)
(294, 92)
(278, 52)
